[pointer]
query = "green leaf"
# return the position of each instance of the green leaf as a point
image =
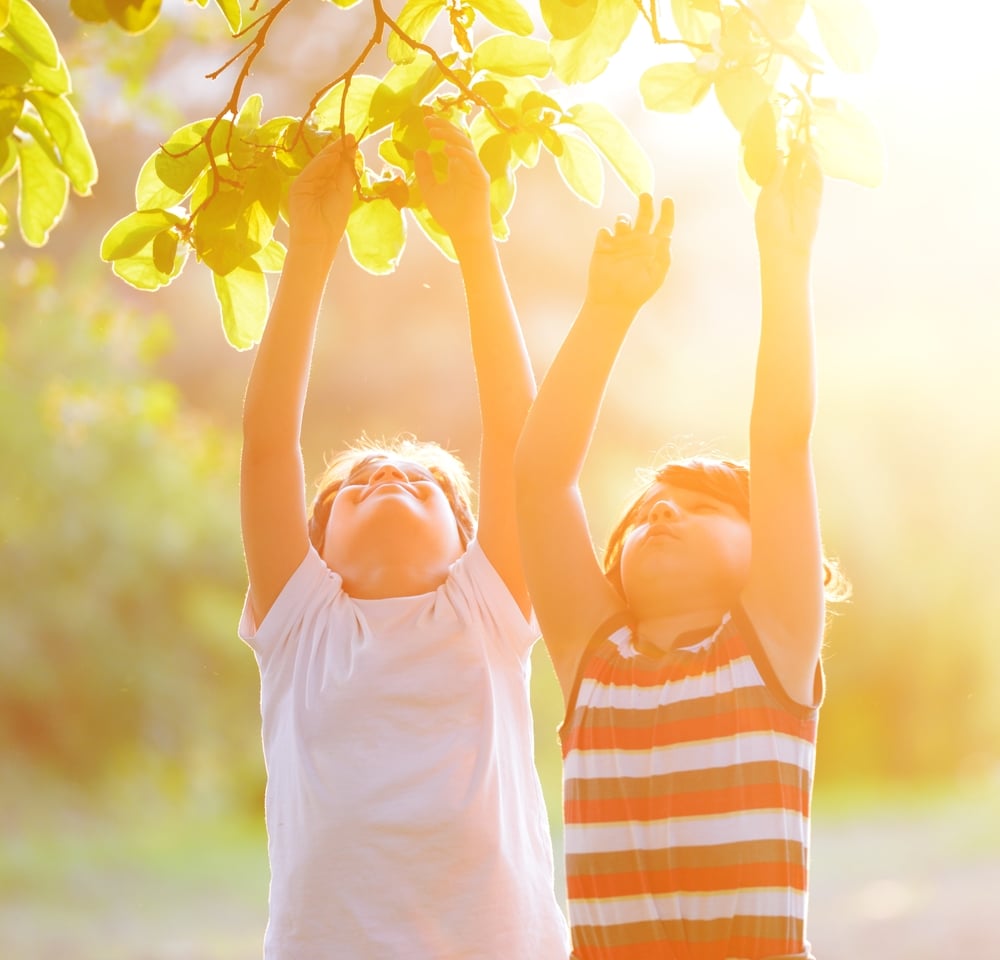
(580, 167)
(244, 302)
(13, 71)
(165, 251)
(29, 38)
(848, 33)
(780, 17)
(740, 92)
(404, 86)
(587, 55)
(505, 14)
(43, 192)
(362, 88)
(134, 16)
(847, 143)
(566, 19)
(614, 140)
(233, 14)
(513, 56)
(135, 232)
(66, 130)
(169, 175)
(28, 29)
(674, 87)
(272, 258)
(760, 144)
(11, 109)
(376, 235)
(693, 22)
(140, 270)
(415, 20)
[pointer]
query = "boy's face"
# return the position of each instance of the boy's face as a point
(390, 508)
(686, 547)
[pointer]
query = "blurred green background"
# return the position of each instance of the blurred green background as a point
(132, 779)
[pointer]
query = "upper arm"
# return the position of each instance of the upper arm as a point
(784, 593)
(571, 595)
(273, 518)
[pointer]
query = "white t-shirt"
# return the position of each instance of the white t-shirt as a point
(404, 815)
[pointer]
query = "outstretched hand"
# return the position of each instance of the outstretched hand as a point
(787, 212)
(629, 265)
(460, 202)
(320, 199)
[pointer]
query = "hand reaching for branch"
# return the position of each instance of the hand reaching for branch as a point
(460, 202)
(320, 199)
(788, 205)
(629, 265)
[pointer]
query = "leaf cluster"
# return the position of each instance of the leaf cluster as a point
(217, 188)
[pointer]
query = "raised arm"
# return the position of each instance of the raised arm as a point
(461, 205)
(784, 594)
(572, 597)
(272, 482)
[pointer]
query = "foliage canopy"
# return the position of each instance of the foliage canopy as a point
(218, 187)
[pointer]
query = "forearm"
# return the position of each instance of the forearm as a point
(561, 422)
(504, 376)
(276, 391)
(784, 401)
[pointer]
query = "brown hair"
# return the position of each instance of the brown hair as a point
(725, 480)
(444, 466)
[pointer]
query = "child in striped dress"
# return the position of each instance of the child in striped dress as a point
(689, 661)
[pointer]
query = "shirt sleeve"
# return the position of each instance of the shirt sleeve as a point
(479, 589)
(312, 583)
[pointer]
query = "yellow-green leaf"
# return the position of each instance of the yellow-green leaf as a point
(326, 116)
(376, 235)
(42, 194)
(11, 109)
(566, 19)
(13, 71)
(140, 270)
(134, 16)
(780, 17)
(505, 14)
(580, 167)
(272, 258)
(244, 302)
(848, 33)
(431, 229)
(503, 189)
(4, 13)
(165, 251)
(233, 14)
(168, 175)
(674, 87)
(740, 92)
(614, 140)
(405, 85)
(760, 144)
(28, 29)
(587, 55)
(512, 56)
(847, 143)
(693, 23)
(415, 20)
(66, 130)
(8, 158)
(135, 232)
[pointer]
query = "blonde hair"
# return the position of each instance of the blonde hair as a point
(446, 468)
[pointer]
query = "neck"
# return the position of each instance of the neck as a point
(664, 631)
(379, 582)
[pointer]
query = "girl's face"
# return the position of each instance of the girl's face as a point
(687, 550)
(389, 506)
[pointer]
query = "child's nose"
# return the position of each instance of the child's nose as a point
(387, 471)
(662, 511)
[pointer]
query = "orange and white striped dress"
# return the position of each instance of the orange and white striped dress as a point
(687, 784)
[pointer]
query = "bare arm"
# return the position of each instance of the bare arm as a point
(272, 483)
(506, 384)
(572, 597)
(784, 594)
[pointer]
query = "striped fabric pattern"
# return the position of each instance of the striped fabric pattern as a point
(687, 783)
